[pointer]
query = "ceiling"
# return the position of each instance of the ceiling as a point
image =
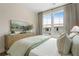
(38, 7)
(35, 7)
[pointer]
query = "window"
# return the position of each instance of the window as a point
(55, 19)
(46, 23)
(58, 18)
(47, 20)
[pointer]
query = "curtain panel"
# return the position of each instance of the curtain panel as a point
(39, 28)
(70, 18)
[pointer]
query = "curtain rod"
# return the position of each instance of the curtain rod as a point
(55, 8)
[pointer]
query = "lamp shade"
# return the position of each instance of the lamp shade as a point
(75, 29)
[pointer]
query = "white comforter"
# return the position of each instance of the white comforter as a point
(20, 47)
(75, 45)
(48, 48)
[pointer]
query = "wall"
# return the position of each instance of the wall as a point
(15, 12)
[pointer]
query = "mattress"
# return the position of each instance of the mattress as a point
(48, 48)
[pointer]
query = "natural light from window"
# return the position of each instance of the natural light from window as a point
(47, 20)
(58, 18)
(53, 20)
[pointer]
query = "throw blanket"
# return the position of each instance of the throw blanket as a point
(23, 46)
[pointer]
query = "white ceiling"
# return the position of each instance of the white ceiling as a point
(35, 7)
(38, 7)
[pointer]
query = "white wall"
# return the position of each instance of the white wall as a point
(16, 12)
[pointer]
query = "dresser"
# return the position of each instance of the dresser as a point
(11, 38)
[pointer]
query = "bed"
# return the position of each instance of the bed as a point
(40, 45)
(48, 48)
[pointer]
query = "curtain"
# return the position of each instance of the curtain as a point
(39, 28)
(77, 6)
(70, 18)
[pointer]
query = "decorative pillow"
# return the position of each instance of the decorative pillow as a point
(64, 44)
(75, 46)
(60, 43)
(72, 35)
(61, 35)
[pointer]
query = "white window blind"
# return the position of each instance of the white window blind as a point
(47, 20)
(58, 18)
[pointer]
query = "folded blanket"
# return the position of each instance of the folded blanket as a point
(23, 46)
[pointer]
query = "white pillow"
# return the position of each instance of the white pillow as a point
(64, 44)
(75, 46)
(72, 35)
